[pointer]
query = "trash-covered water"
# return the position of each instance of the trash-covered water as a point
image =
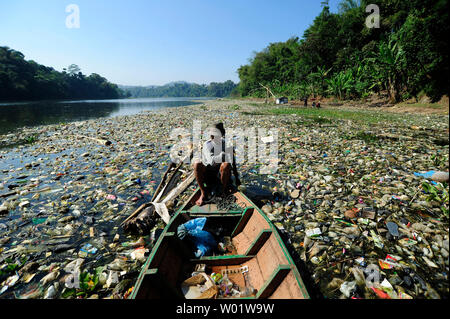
(345, 193)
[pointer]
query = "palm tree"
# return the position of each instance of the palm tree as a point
(320, 76)
(389, 62)
(340, 84)
(325, 3)
(347, 5)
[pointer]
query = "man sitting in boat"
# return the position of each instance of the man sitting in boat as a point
(217, 161)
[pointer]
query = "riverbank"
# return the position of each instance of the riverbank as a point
(422, 106)
(72, 191)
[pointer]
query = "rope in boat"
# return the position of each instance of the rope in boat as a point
(227, 203)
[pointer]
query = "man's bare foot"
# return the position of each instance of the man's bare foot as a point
(201, 200)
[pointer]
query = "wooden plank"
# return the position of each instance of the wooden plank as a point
(151, 271)
(198, 215)
(163, 179)
(154, 258)
(206, 208)
(259, 242)
(247, 214)
(155, 286)
(178, 245)
(162, 211)
(161, 208)
(180, 188)
(136, 212)
(283, 247)
(214, 214)
(222, 260)
(164, 189)
(273, 282)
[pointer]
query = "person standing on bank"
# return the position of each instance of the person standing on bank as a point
(216, 160)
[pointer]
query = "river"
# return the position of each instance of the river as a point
(22, 114)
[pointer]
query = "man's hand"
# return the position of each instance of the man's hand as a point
(220, 158)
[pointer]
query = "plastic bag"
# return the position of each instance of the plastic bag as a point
(195, 224)
(200, 286)
(203, 240)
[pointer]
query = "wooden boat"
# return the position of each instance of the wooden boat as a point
(258, 248)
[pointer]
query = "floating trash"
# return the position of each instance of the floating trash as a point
(343, 200)
(87, 249)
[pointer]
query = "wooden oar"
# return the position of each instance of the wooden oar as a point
(145, 205)
(180, 188)
(172, 175)
(136, 212)
(162, 180)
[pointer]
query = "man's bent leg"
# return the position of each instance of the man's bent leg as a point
(199, 172)
(225, 175)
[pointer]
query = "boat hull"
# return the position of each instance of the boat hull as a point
(259, 259)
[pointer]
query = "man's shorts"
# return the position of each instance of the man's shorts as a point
(212, 174)
(213, 169)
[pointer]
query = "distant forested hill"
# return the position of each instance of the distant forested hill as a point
(28, 80)
(181, 89)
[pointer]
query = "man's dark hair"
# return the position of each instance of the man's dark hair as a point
(219, 126)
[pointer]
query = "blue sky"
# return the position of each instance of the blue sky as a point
(153, 42)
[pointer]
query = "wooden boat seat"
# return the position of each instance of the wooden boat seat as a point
(268, 267)
(250, 233)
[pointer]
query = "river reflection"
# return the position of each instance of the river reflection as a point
(17, 115)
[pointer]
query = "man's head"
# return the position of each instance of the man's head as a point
(219, 126)
(217, 130)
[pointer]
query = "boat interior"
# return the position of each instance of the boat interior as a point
(255, 259)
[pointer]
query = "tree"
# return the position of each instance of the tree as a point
(389, 62)
(73, 69)
(405, 56)
(184, 90)
(426, 54)
(28, 80)
(347, 5)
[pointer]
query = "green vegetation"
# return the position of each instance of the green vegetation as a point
(332, 115)
(89, 283)
(31, 139)
(182, 89)
(438, 193)
(28, 80)
(339, 56)
(337, 114)
(12, 267)
(439, 160)
(364, 136)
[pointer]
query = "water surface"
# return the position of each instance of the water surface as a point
(18, 115)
